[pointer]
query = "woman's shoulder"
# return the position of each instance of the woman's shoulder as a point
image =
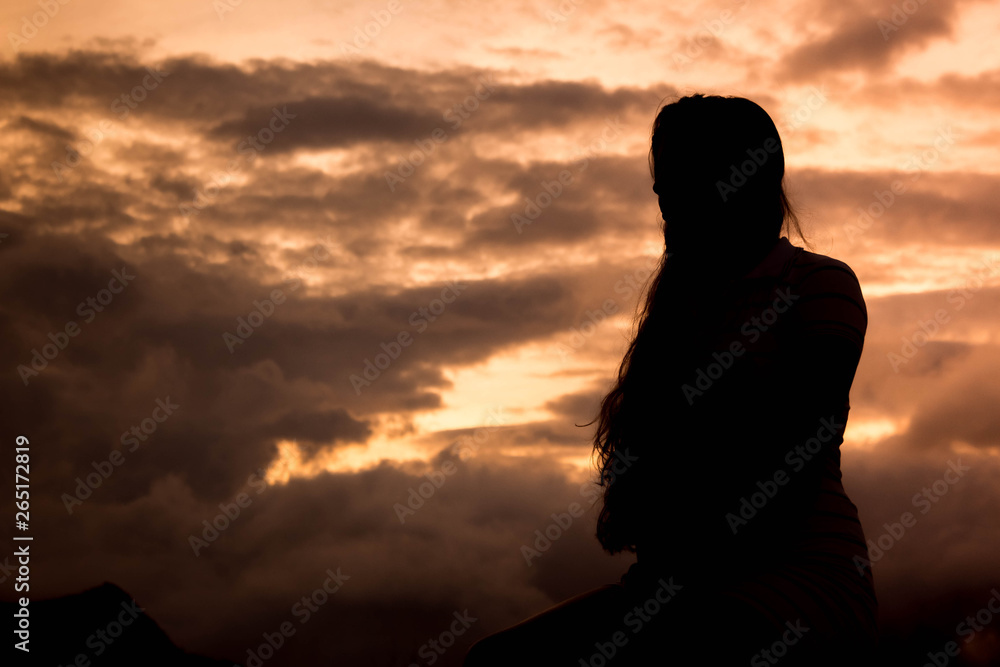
(828, 294)
(813, 272)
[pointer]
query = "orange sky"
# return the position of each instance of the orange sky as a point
(120, 119)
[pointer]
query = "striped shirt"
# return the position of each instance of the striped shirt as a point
(749, 482)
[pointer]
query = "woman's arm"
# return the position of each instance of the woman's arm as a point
(823, 342)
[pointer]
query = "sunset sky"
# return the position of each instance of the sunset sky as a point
(338, 275)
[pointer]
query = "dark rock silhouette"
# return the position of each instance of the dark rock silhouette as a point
(106, 626)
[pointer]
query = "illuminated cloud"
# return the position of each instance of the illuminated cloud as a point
(535, 329)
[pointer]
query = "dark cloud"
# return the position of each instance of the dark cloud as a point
(319, 123)
(40, 127)
(869, 39)
(920, 203)
(462, 549)
(955, 90)
(198, 277)
(371, 100)
(580, 408)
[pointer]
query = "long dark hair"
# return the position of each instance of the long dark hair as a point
(718, 169)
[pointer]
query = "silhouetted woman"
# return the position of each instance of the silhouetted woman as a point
(732, 399)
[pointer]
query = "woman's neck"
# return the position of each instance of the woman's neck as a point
(723, 262)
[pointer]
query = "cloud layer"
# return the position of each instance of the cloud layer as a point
(339, 309)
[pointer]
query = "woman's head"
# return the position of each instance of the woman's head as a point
(717, 167)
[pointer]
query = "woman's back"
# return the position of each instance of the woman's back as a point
(735, 503)
(746, 443)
